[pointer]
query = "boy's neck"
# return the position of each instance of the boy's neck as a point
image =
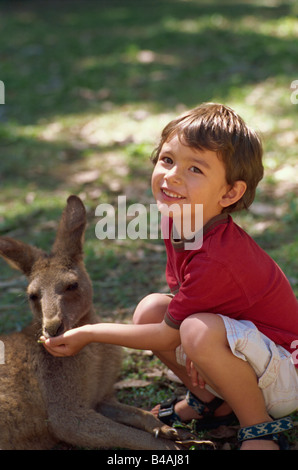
(178, 234)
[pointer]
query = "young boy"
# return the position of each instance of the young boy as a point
(228, 326)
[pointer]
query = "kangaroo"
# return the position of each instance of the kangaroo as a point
(45, 400)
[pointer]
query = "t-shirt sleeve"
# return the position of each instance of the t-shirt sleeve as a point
(207, 286)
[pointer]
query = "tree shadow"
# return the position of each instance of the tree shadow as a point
(160, 53)
(62, 60)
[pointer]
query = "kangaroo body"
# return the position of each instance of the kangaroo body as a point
(45, 400)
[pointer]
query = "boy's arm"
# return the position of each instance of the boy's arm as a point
(155, 336)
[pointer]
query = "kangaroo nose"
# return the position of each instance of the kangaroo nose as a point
(53, 328)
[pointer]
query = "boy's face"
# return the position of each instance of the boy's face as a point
(185, 175)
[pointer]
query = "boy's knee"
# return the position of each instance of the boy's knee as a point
(151, 309)
(199, 334)
(190, 334)
(140, 313)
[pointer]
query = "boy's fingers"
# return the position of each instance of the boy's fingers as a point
(201, 382)
(58, 351)
(53, 340)
(188, 365)
(55, 346)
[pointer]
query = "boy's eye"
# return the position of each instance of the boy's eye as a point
(195, 169)
(167, 160)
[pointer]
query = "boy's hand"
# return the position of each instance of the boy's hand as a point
(68, 344)
(194, 375)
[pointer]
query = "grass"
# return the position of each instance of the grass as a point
(87, 92)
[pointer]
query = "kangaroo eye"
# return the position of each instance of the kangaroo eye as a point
(33, 297)
(72, 286)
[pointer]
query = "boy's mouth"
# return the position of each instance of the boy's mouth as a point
(171, 194)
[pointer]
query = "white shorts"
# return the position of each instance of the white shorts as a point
(273, 365)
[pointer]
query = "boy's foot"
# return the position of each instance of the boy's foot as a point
(259, 444)
(186, 413)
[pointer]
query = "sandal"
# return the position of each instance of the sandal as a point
(269, 430)
(168, 416)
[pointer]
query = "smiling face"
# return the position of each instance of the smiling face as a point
(185, 175)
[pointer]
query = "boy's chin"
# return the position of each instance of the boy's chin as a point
(178, 211)
(170, 210)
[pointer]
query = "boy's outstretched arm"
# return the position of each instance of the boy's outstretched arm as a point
(155, 336)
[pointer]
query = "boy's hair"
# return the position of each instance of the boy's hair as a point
(218, 128)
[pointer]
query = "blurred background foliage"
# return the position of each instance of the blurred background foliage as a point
(89, 85)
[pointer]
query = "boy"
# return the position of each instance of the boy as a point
(227, 328)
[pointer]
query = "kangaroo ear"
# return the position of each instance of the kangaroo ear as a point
(19, 255)
(70, 234)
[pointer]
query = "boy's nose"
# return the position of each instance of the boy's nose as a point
(173, 175)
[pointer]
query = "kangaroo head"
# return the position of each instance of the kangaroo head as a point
(59, 289)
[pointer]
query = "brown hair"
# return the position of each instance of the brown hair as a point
(218, 128)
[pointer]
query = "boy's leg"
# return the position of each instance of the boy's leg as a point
(204, 341)
(182, 409)
(152, 309)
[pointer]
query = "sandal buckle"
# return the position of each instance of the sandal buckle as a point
(165, 412)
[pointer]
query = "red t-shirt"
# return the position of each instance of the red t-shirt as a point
(231, 275)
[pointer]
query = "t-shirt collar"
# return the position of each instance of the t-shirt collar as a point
(219, 219)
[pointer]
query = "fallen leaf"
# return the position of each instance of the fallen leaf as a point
(222, 432)
(130, 383)
(86, 176)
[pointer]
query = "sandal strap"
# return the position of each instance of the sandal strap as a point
(261, 430)
(166, 411)
(199, 406)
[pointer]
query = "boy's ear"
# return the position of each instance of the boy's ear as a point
(234, 194)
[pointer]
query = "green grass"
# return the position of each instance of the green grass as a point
(88, 88)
